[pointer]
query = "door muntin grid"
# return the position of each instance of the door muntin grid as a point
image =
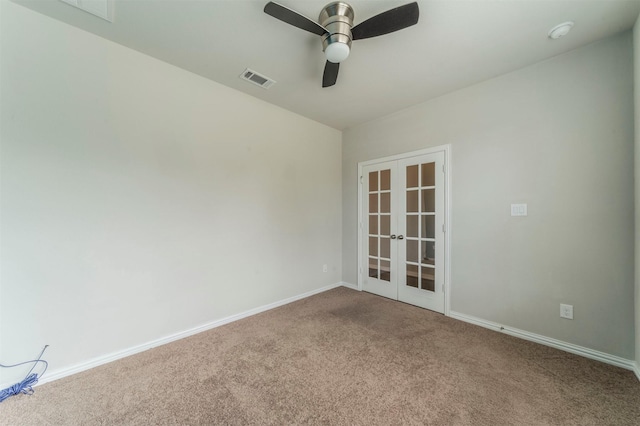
(408, 266)
(420, 216)
(379, 229)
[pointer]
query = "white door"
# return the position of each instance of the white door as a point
(403, 209)
(380, 225)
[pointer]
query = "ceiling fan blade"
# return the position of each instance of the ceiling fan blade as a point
(293, 18)
(387, 22)
(330, 75)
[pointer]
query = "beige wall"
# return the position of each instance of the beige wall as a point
(558, 136)
(140, 200)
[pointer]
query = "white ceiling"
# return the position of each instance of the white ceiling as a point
(455, 44)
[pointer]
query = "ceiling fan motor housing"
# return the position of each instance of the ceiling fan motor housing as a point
(337, 18)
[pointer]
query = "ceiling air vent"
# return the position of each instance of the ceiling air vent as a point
(257, 79)
(101, 8)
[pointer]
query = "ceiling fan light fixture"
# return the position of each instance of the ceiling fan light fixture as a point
(335, 26)
(337, 52)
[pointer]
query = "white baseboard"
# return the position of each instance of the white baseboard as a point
(568, 347)
(349, 285)
(64, 372)
(547, 341)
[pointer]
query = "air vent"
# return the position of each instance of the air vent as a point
(101, 8)
(257, 79)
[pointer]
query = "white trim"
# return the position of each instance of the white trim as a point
(114, 356)
(448, 184)
(636, 369)
(548, 341)
(404, 155)
(349, 285)
(359, 225)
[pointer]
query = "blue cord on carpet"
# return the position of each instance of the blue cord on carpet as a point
(26, 385)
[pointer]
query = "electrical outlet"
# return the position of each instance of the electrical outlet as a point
(518, 209)
(325, 268)
(566, 311)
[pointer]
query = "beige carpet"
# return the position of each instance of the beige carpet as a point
(341, 357)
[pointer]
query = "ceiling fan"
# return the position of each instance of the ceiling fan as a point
(337, 30)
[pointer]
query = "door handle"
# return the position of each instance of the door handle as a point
(393, 237)
(401, 237)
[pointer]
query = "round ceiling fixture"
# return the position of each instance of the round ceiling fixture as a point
(560, 30)
(337, 52)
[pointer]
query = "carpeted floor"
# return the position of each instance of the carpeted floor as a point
(340, 357)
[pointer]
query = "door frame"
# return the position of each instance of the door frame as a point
(447, 213)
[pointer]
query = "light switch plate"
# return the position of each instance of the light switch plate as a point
(518, 209)
(566, 311)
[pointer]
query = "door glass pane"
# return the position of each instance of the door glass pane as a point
(427, 278)
(428, 226)
(428, 200)
(385, 225)
(412, 276)
(373, 224)
(373, 203)
(385, 270)
(373, 246)
(373, 181)
(385, 180)
(428, 174)
(428, 253)
(421, 227)
(412, 251)
(412, 226)
(385, 247)
(385, 202)
(412, 176)
(373, 267)
(380, 224)
(412, 201)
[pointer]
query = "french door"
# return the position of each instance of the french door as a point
(403, 212)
